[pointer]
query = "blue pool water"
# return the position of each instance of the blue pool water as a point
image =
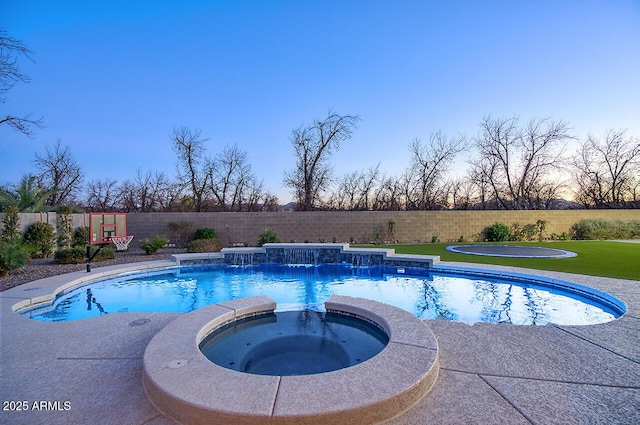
(429, 294)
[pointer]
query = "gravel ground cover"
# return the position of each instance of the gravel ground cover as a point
(46, 267)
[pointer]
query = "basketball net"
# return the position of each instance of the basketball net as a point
(121, 242)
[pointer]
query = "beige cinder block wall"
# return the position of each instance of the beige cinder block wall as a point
(361, 226)
(27, 219)
(344, 226)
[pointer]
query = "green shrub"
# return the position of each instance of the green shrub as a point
(152, 246)
(523, 233)
(107, 253)
(13, 255)
(594, 229)
(65, 227)
(268, 236)
(541, 226)
(564, 236)
(10, 220)
(205, 245)
(498, 232)
(80, 237)
(78, 255)
(41, 239)
(634, 229)
(204, 233)
(70, 256)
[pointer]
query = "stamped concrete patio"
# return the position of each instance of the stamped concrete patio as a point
(497, 374)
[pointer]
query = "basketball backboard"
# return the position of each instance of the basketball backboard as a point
(104, 226)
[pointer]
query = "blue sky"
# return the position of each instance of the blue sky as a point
(112, 79)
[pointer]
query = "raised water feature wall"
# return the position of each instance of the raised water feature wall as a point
(308, 254)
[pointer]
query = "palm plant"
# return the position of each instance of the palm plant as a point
(28, 197)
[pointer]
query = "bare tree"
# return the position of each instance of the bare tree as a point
(388, 196)
(367, 187)
(356, 190)
(515, 162)
(314, 145)
(463, 193)
(477, 176)
(257, 198)
(10, 74)
(605, 170)
(147, 192)
(345, 196)
(429, 165)
(59, 172)
(103, 195)
(193, 173)
(230, 178)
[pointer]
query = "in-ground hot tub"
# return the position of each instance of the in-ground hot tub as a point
(184, 384)
(294, 343)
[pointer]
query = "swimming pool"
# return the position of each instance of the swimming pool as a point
(436, 293)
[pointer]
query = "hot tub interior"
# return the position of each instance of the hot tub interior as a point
(294, 343)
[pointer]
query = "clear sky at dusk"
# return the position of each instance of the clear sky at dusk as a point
(111, 79)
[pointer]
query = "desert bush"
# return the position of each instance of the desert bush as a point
(524, 232)
(634, 229)
(205, 245)
(181, 231)
(10, 221)
(70, 256)
(80, 237)
(107, 253)
(268, 236)
(78, 255)
(498, 232)
(593, 229)
(377, 238)
(13, 255)
(65, 227)
(541, 226)
(152, 246)
(564, 236)
(204, 233)
(41, 240)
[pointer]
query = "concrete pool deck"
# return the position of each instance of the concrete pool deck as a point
(90, 371)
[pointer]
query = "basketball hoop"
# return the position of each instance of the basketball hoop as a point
(121, 242)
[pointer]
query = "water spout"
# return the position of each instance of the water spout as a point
(303, 256)
(360, 260)
(242, 259)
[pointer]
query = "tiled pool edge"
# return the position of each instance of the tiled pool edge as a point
(47, 289)
(182, 383)
(595, 294)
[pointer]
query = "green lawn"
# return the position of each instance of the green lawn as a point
(596, 258)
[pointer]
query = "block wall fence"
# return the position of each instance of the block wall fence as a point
(344, 226)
